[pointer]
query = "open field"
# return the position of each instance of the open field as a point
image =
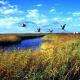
(57, 59)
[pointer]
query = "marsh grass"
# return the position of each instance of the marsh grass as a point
(15, 37)
(8, 37)
(60, 60)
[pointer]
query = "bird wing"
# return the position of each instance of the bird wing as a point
(64, 25)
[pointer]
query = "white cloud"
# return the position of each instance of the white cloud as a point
(39, 5)
(9, 22)
(8, 11)
(43, 22)
(52, 10)
(76, 14)
(35, 16)
(32, 13)
(3, 2)
(56, 19)
(62, 19)
(6, 8)
(69, 19)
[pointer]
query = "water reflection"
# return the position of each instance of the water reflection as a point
(25, 44)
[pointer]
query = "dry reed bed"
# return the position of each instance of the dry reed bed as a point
(60, 61)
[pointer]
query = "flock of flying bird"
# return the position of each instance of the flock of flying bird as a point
(39, 29)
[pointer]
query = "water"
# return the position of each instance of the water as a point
(25, 44)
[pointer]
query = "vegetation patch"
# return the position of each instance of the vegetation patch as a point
(60, 60)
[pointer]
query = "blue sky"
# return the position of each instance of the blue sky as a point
(45, 13)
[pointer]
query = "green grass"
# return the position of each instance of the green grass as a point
(60, 60)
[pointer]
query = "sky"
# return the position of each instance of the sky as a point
(46, 14)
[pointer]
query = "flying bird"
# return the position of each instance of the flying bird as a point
(39, 29)
(63, 26)
(50, 30)
(27, 23)
(23, 25)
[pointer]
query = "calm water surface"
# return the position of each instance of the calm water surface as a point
(25, 44)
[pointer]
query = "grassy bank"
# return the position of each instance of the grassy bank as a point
(15, 38)
(8, 37)
(58, 59)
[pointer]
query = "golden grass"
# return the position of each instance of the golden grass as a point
(60, 60)
(8, 37)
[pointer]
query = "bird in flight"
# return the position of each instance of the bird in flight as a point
(39, 29)
(63, 27)
(50, 30)
(23, 25)
(27, 23)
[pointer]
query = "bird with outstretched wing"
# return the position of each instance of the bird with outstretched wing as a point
(63, 27)
(23, 25)
(50, 30)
